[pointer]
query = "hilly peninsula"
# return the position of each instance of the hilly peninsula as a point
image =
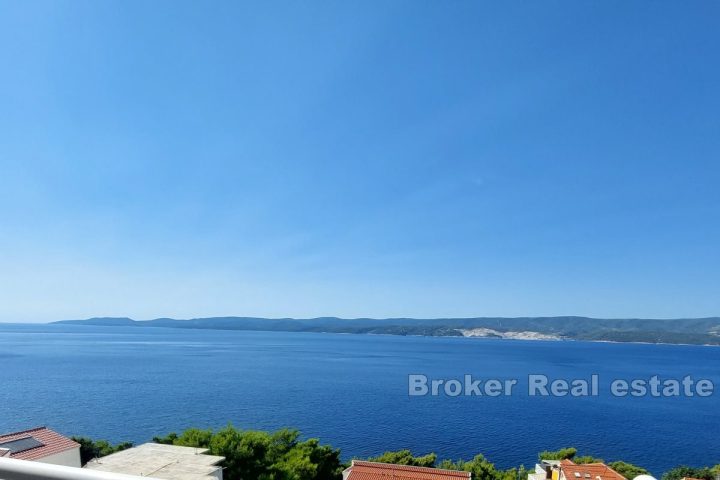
(695, 331)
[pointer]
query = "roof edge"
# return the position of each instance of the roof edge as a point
(412, 468)
(25, 431)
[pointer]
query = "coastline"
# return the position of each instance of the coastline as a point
(523, 336)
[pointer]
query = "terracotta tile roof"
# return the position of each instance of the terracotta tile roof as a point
(52, 443)
(588, 471)
(385, 471)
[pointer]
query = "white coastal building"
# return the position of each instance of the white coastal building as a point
(165, 462)
(569, 470)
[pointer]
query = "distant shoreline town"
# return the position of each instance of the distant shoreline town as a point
(689, 331)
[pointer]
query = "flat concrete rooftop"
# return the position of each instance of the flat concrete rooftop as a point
(168, 462)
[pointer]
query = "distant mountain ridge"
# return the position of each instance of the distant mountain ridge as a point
(698, 331)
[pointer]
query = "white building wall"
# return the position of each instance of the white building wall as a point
(69, 458)
(218, 474)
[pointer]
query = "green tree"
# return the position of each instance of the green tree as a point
(264, 456)
(90, 449)
(628, 470)
(683, 471)
(405, 457)
(562, 454)
(587, 459)
(167, 439)
(194, 437)
(482, 469)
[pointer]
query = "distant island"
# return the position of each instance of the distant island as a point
(693, 331)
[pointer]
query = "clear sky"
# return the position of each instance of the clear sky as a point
(361, 158)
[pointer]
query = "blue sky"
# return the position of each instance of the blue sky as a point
(359, 159)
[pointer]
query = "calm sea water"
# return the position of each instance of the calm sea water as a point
(351, 391)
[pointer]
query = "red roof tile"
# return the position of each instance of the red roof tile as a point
(588, 471)
(52, 443)
(385, 471)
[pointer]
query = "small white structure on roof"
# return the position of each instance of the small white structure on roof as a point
(166, 462)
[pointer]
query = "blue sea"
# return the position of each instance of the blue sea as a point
(351, 391)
